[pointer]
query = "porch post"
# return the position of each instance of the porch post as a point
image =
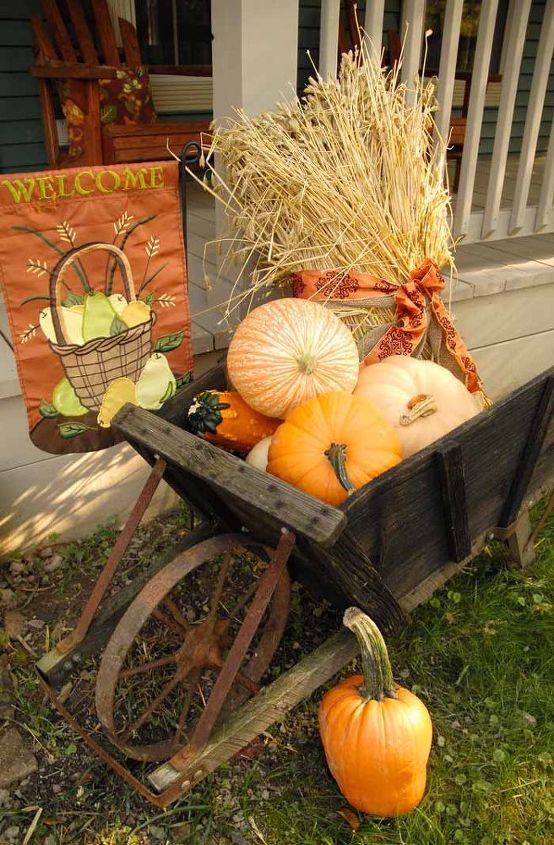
(254, 66)
(254, 54)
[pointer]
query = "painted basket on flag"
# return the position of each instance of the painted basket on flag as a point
(91, 367)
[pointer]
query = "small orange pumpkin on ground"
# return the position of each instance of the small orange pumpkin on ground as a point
(224, 418)
(332, 445)
(376, 735)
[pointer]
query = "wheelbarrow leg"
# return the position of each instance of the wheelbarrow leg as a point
(105, 578)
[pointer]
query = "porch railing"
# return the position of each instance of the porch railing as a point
(495, 220)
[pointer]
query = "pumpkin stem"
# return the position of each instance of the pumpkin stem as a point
(376, 668)
(306, 363)
(205, 414)
(336, 453)
(421, 405)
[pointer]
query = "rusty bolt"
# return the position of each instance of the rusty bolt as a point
(198, 774)
(185, 784)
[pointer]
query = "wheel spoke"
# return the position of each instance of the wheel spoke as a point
(153, 706)
(193, 677)
(162, 617)
(232, 614)
(176, 613)
(222, 577)
(146, 667)
(240, 678)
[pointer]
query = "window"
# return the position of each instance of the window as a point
(434, 20)
(174, 32)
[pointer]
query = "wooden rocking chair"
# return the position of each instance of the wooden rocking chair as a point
(85, 61)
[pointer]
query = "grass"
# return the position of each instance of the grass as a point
(479, 653)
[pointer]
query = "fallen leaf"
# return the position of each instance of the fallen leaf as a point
(351, 818)
(14, 623)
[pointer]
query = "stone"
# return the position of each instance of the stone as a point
(16, 567)
(5, 798)
(12, 834)
(47, 552)
(7, 705)
(54, 563)
(17, 762)
(7, 598)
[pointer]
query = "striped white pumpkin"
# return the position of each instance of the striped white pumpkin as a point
(288, 351)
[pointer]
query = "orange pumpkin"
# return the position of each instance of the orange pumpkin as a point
(288, 351)
(332, 445)
(224, 418)
(376, 735)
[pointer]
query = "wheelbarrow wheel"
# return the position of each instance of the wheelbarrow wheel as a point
(164, 656)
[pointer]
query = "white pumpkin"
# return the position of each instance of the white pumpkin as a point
(421, 399)
(288, 351)
(258, 456)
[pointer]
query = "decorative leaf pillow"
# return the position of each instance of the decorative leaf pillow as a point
(124, 99)
(127, 97)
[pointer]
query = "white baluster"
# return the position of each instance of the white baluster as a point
(329, 37)
(546, 199)
(533, 119)
(373, 26)
(479, 77)
(413, 17)
(447, 67)
(515, 40)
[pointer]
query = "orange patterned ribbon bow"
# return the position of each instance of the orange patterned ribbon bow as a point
(412, 320)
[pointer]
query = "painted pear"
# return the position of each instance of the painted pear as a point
(65, 400)
(71, 320)
(156, 383)
(119, 392)
(136, 313)
(118, 301)
(98, 317)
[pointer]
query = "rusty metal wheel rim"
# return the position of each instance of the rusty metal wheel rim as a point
(146, 603)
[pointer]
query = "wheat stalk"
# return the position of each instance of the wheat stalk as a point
(348, 179)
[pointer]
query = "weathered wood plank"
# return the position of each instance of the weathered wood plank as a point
(536, 434)
(269, 706)
(346, 576)
(261, 495)
(452, 482)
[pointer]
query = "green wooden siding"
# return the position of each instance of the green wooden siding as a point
(21, 133)
(308, 34)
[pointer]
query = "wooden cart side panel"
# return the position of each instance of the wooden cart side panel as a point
(264, 499)
(403, 519)
(399, 524)
(495, 453)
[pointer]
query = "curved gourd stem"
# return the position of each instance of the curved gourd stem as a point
(421, 405)
(376, 668)
(336, 454)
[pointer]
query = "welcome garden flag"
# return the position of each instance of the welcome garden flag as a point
(92, 266)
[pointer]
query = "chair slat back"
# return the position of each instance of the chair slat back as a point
(82, 32)
(130, 43)
(105, 32)
(59, 31)
(46, 50)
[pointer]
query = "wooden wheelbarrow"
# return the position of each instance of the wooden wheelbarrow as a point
(185, 649)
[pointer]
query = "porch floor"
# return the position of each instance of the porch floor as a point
(483, 268)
